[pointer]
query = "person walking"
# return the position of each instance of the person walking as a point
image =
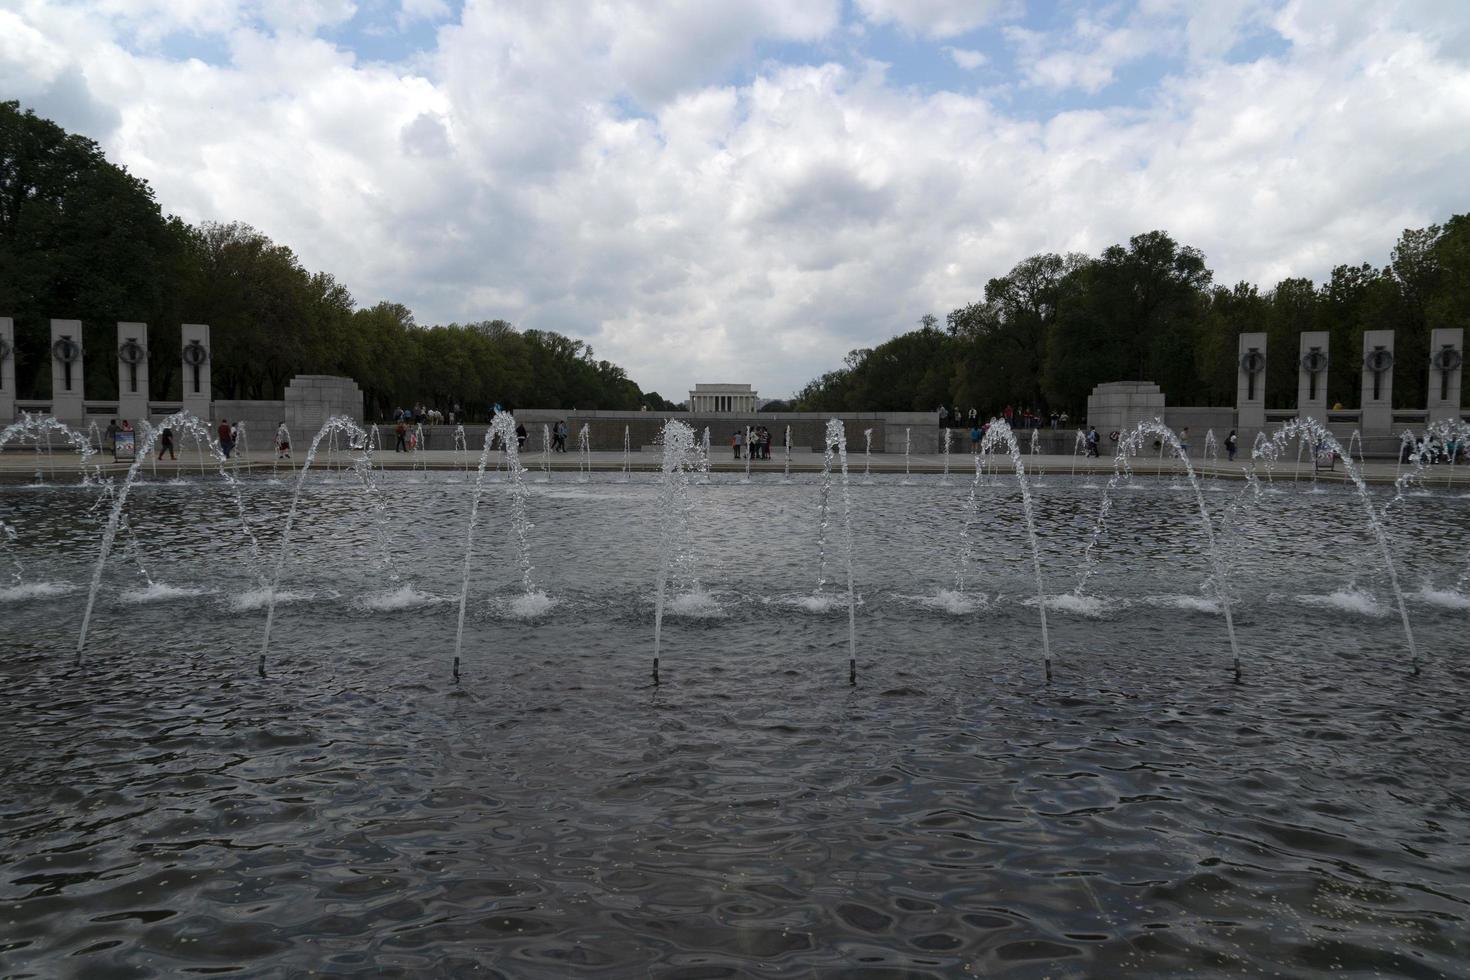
(166, 444)
(283, 441)
(226, 440)
(1184, 442)
(401, 432)
(1231, 443)
(520, 436)
(111, 436)
(1092, 441)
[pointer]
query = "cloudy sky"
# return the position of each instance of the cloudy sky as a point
(744, 190)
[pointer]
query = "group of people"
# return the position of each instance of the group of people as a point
(1433, 450)
(759, 446)
(421, 415)
(1016, 418)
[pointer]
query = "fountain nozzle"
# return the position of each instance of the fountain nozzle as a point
(655, 672)
(1415, 671)
(852, 671)
(260, 667)
(1048, 670)
(456, 670)
(1237, 670)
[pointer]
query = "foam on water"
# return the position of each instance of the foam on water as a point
(161, 592)
(260, 598)
(1347, 600)
(1445, 598)
(529, 605)
(403, 597)
(820, 603)
(35, 590)
(1079, 605)
(952, 602)
(694, 605)
(1192, 603)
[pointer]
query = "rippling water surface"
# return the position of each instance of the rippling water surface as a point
(163, 810)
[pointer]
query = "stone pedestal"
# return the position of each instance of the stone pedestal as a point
(1377, 420)
(66, 372)
(132, 371)
(1119, 406)
(198, 396)
(311, 399)
(1446, 361)
(7, 369)
(1311, 368)
(1250, 384)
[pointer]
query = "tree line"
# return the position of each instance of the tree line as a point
(1055, 326)
(81, 238)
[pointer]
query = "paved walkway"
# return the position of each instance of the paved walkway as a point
(22, 465)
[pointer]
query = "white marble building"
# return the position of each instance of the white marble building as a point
(723, 398)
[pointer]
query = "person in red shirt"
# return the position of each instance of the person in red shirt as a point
(226, 444)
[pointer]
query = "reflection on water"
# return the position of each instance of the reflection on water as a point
(165, 810)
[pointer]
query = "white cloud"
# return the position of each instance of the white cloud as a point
(966, 59)
(932, 18)
(758, 230)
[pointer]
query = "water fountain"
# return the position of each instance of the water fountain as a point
(944, 478)
(908, 439)
(627, 456)
(584, 454)
(545, 454)
(1000, 434)
(461, 449)
(553, 715)
(1079, 447)
(679, 459)
(749, 454)
(867, 455)
(1319, 435)
(786, 474)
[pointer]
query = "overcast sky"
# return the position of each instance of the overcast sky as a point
(744, 190)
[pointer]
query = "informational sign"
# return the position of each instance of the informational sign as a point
(124, 445)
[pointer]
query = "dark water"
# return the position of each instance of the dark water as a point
(164, 811)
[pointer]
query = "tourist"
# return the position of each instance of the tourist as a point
(283, 442)
(974, 437)
(401, 432)
(226, 440)
(735, 443)
(166, 444)
(520, 436)
(1092, 441)
(127, 426)
(111, 436)
(1184, 442)
(1231, 444)
(559, 443)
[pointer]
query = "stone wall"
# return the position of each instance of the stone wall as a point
(311, 399)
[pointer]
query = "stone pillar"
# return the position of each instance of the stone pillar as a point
(198, 397)
(66, 371)
(7, 369)
(1250, 388)
(132, 371)
(1311, 385)
(1377, 419)
(1446, 361)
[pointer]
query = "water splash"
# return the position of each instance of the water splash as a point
(333, 425)
(1000, 433)
(502, 427)
(836, 439)
(584, 454)
(867, 454)
(679, 459)
(1319, 435)
(178, 421)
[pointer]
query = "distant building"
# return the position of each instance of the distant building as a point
(723, 398)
